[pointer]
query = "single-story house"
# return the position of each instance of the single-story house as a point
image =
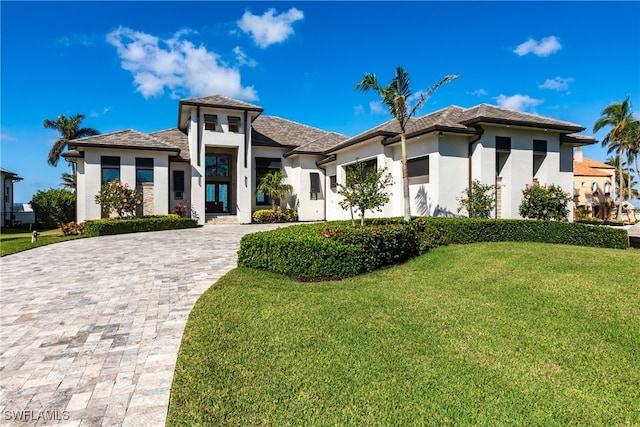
(221, 147)
(6, 195)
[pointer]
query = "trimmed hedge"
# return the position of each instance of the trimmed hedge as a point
(104, 227)
(471, 230)
(331, 250)
(269, 215)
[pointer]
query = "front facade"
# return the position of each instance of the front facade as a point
(7, 211)
(593, 186)
(221, 147)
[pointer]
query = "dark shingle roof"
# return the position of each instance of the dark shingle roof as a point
(221, 101)
(175, 138)
(279, 132)
(12, 174)
(485, 113)
(123, 139)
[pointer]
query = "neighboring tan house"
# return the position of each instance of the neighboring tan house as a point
(593, 184)
(6, 195)
(221, 148)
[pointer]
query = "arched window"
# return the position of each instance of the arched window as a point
(594, 187)
(607, 187)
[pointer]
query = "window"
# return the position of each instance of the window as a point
(333, 182)
(234, 124)
(314, 185)
(503, 144)
(144, 170)
(178, 184)
(418, 166)
(264, 165)
(539, 147)
(216, 166)
(110, 166)
(210, 122)
(369, 165)
(607, 188)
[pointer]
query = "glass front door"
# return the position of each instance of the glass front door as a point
(217, 197)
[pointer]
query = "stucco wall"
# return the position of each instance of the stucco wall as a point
(90, 178)
(242, 194)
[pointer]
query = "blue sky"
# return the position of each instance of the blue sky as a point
(126, 64)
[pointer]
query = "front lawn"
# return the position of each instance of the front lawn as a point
(14, 240)
(490, 333)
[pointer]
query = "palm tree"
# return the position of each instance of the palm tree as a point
(619, 117)
(634, 145)
(271, 184)
(69, 129)
(395, 96)
(68, 181)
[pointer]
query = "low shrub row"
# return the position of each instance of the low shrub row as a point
(269, 215)
(103, 227)
(468, 230)
(330, 250)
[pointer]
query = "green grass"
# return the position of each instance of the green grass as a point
(17, 240)
(489, 334)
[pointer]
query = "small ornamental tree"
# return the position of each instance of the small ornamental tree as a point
(272, 184)
(545, 202)
(364, 191)
(117, 197)
(479, 200)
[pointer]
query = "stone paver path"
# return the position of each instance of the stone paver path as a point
(90, 329)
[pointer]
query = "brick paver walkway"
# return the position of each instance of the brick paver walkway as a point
(90, 329)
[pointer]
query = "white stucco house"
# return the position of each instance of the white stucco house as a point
(6, 195)
(221, 147)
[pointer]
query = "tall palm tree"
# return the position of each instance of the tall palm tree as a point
(271, 184)
(395, 96)
(634, 145)
(69, 128)
(619, 116)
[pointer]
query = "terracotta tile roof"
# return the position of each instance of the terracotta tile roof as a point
(221, 101)
(596, 164)
(581, 169)
(492, 114)
(128, 138)
(279, 132)
(175, 138)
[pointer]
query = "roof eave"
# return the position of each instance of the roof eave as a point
(126, 147)
(435, 128)
(294, 152)
(357, 140)
(523, 123)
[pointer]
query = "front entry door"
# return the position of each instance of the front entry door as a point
(217, 197)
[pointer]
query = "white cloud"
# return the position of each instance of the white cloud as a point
(517, 102)
(76, 39)
(559, 83)
(242, 57)
(270, 28)
(105, 110)
(358, 110)
(479, 92)
(175, 64)
(376, 107)
(5, 137)
(544, 47)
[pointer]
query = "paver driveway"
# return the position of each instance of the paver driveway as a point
(90, 328)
